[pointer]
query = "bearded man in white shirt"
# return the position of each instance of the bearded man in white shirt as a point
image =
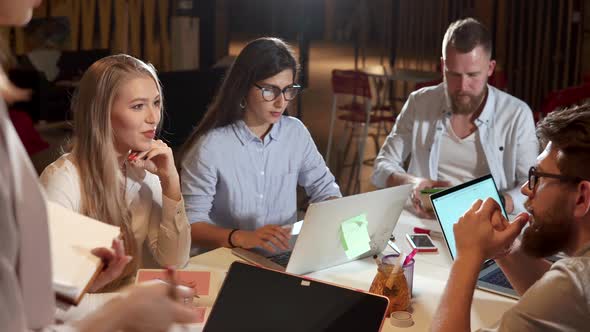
(462, 128)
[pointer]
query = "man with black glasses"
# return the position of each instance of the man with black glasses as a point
(555, 297)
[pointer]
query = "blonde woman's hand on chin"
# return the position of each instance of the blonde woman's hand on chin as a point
(159, 160)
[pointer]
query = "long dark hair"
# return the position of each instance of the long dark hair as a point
(260, 59)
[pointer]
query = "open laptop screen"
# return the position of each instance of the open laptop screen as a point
(449, 205)
(257, 299)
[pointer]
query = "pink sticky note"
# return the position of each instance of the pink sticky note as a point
(199, 314)
(197, 280)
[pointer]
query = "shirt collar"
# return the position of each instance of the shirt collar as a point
(488, 110)
(245, 135)
(486, 114)
(275, 131)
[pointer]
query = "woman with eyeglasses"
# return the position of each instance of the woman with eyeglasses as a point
(241, 166)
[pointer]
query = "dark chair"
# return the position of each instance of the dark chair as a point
(39, 86)
(27, 133)
(499, 80)
(563, 98)
(72, 64)
(187, 95)
(354, 85)
(50, 101)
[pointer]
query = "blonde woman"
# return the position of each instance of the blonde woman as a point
(116, 172)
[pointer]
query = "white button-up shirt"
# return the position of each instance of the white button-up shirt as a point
(506, 133)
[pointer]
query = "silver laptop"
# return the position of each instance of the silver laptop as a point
(318, 245)
(449, 205)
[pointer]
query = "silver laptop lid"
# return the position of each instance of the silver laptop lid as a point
(319, 243)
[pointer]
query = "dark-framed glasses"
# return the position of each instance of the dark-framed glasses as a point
(271, 92)
(534, 176)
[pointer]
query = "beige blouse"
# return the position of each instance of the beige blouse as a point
(160, 225)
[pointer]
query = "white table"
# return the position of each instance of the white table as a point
(430, 275)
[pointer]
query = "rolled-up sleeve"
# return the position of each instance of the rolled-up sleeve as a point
(314, 176)
(198, 182)
(396, 148)
(169, 233)
(527, 150)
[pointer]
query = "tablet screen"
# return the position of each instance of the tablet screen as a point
(257, 299)
(451, 204)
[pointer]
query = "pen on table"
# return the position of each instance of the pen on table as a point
(168, 283)
(408, 258)
(171, 272)
(177, 286)
(430, 232)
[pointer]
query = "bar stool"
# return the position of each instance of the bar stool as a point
(357, 115)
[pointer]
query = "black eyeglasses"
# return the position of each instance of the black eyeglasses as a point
(270, 93)
(534, 177)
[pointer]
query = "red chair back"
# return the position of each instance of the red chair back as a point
(25, 129)
(351, 82)
(498, 80)
(565, 97)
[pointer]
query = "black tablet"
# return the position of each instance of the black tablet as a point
(257, 299)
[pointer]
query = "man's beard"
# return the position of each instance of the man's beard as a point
(474, 101)
(550, 233)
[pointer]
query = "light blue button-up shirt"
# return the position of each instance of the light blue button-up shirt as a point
(233, 179)
(506, 133)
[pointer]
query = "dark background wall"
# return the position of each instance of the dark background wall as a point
(284, 19)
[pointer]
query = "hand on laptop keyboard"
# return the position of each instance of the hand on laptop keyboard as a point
(282, 259)
(266, 237)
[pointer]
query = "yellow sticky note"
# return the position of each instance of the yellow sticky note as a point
(354, 236)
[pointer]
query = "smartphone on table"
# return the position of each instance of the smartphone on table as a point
(421, 242)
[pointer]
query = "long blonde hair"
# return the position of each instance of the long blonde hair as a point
(93, 149)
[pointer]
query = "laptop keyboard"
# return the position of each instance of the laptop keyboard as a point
(282, 259)
(497, 278)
